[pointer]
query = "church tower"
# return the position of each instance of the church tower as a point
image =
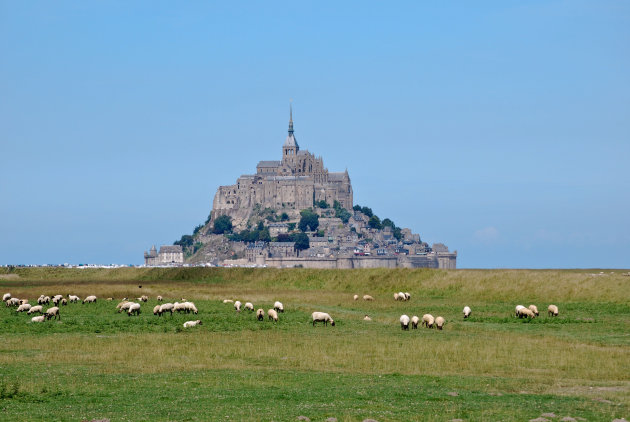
(290, 147)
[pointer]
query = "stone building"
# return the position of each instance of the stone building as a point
(293, 183)
(168, 255)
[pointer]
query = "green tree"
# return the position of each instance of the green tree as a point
(322, 204)
(357, 207)
(222, 224)
(264, 235)
(301, 241)
(367, 211)
(374, 222)
(388, 223)
(284, 216)
(309, 221)
(185, 242)
(197, 229)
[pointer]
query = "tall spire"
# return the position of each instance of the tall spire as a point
(290, 118)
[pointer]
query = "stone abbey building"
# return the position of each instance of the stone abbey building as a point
(292, 184)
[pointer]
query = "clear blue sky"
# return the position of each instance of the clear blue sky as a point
(499, 128)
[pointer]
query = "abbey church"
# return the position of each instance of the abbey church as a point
(291, 184)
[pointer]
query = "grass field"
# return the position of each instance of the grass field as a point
(96, 363)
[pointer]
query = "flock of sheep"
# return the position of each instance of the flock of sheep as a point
(134, 308)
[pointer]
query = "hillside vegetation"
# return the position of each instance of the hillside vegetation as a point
(97, 363)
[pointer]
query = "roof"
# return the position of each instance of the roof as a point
(170, 249)
(290, 141)
(282, 244)
(269, 163)
(336, 177)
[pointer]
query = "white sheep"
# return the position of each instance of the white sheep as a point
(64, 302)
(90, 299)
(237, 306)
(190, 307)
(24, 308)
(534, 309)
(23, 301)
(124, 306)
(404, 322)
(322, 317)
(40, 318)
(43, 300)
(228, 301)
(526, 312)
(56, 299)
(367, 297)
(428, 320)
(402, 296)
(517, 309)
(14, 301)
(273, 315)
(179, 307)
(439, 322)
(396, 296)
(159, 298)
(134, 308)
(278, 306)
(407, 296)
(52, 313)
(260, 314)
(414, 322)
(552, 310)
(38, 309)
(188, 324)
(355, 297)
(6, 297)
(166, 307)
(367, 318)
(466, 311)
(73, 298)
(249, 306)
(143, 298)
(156, 309)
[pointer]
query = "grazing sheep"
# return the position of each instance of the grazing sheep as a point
(156, 309)
(90, 299)
(396, 296)
(14, 301)
(526, 312)
(466, 311)
(228, 301)
(134, 308)
(143, 298)
(552, 310)
(273, 315)
(534, 309)
(517, 309)
(428, 320)
(367, 297)
(124, 306)
(24, 308)
(179, 307)
(56, 299)
(23, 301)
(237, 306)
(120, 305)
(402, 296)
(404, 322)
(40, 318)
(64, 302)
(278, 306)
(407, 296)
(190, 307)
(159, 298)
(6, 297)
(34, 309)
(43, 300)
(439, 322)
(260, 315)
(414, 322)
(73, 298)
(322, 317)
(355, 297)
(189, 324)
(249, 306)
(52, 313)
(367, 318)
(166, 307)
(109, 299)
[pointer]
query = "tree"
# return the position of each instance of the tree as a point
(322, 204)
(260, 226)
(222, 225)
(374, 222)
(343, 214)
(284, 216)
(185, 242)
(367, 211)
(388, 223)
(264, 235)
(357, 207)
(199, 227)
(301, 241)
(309, 221)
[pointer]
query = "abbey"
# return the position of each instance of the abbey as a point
(291, 184)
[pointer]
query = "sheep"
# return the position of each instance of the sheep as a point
(228, 301)
(90, 299)
(402, 296)
(64, 302)
(121, 304)
(260, 314)
(355, 297)
(159, 298)
(249, 306)
(278, 306)
(166, 307)
(56, 299)
(179, 307)
(367, 318)
(428, 320)
(273, 315)
(109, 299)
(526, 312)
(6, 297)
(23, 301)
(43, 300)
(143, 298)
(188, 324)
(52, 313)
(534, 309)
(517, 309)
(322, 317)
(439, 322)
(124, 306)
(73, 298)
(414, 322)
(396, 296)
(190, 307)
(367, 297)
(552, 310)
(404, 322)
(156, 309)
(34, 309)
(23, 308)
(237, 306)
(466, 311)
(134, 308)
(407, 296)
(14, 301)
(40, 318)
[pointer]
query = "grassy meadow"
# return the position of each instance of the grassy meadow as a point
(96, 363)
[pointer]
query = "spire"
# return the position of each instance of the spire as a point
(290, 119)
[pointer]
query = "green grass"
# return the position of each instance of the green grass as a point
(97, 363)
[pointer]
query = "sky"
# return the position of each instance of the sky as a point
(500, 128)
